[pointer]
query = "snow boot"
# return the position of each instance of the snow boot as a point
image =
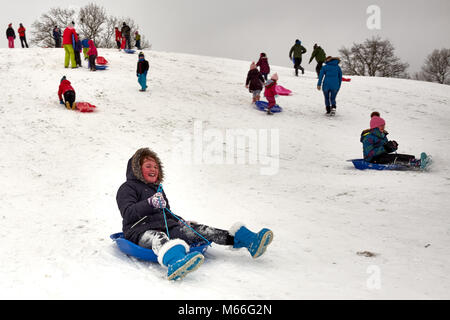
(68, 105)
(425, 161)
(74, 106)
(328, 110)
(333, 111)
(174, 256)
(256, 243)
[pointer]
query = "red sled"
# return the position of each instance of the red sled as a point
(282, 91)
(85, 107)
(101, 60)
(123, 43)
(346, 79)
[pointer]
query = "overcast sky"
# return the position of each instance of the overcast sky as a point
(241, 29)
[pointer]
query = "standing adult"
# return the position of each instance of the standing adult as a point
(10, 35)
(331, 84)
(22, 36)
(118, 37)
(297, 51)
(57, 37)
(69, 39)
(320, 56)
(126, 34)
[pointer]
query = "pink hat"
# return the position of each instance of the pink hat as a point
(274, 76)
(376, 122)
(253, 66)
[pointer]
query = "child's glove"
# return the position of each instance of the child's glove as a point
(157, 201)
(61, 102)
(318, 88)
(390, 146)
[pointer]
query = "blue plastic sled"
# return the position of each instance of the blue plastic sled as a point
(129, 50)
(141, 253)
(262, 106)
(100, 67)
(361, 164)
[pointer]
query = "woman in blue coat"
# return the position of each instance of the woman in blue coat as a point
(331, 75)
(148, 222)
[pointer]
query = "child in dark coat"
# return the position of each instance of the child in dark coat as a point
(148, 221)
(263, 65)
(141, 72)
(254, 82)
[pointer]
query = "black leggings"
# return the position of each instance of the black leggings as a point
(389, 158)
(69, 96)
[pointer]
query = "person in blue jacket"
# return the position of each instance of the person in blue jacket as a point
(148, 223)
(331, 75)
(85, 44)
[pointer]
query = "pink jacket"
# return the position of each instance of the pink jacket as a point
(270, 89)
(92, 49)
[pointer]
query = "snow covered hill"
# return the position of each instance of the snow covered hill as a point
(339, 232)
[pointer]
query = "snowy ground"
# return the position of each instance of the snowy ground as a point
(60, 171)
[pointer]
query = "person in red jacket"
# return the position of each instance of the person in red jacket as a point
(92, 53)
(118, 38)
(270, 92)
(69, 39)
(66, 90)
(21, 32)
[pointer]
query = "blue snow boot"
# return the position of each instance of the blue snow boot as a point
(256, 243)
(173, 255)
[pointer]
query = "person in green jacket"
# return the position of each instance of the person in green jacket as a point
(297, 50)
(320, 56)
(137, 38)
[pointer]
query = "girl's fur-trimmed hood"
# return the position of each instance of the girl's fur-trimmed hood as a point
(134, 167)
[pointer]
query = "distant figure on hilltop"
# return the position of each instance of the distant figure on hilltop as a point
(10, 35)
(126, 33)
(57, 37)
(296, 52)
(69, 39)
(118, 37)
(320, 56)
(22, 36)
(137, 38)
(263, 65)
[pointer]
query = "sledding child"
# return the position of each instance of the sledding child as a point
(141, 71)
(66, 90)
(378, 149)
(270, 92)
(331, 75)
(263, 65)
(92, 53)
(148, 221)
(254, 82)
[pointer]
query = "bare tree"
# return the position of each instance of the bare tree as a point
(43, 28)
(374, 57)
(437, 67)
(92, 18)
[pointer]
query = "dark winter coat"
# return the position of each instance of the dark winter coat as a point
(56, 33)
(297, 49)
(78, 46)
(142, 66)
(10, 33)
(254, 80)
(125, 31)
(263, 65)
(374, 142)
(132, 199)
(319, 54)
(333, 75)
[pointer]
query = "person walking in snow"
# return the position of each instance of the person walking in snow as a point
(296, 52)
(148, 222)
(22, 36)
(92, 53)
(57, 37)
(69, 39)
(118, 37)
(331, 76)
(320, 56)
(254, 82)
(378, 149)
(141, 71)
(66, 90)
(270, 92)
(263, 65)
(10, 35)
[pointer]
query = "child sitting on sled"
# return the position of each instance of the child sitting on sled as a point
(254, 82)
(378, 149)
(65, 90)
(270, 93)
(148, 222)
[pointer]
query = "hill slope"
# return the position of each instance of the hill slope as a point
(60, 171)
